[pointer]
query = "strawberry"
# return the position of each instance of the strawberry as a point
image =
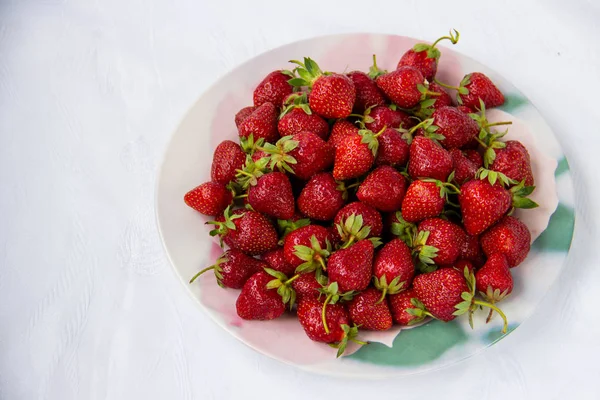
(423, 199)
(474, 157)
(509, 237)
(309, 315)
(460, 266)
(285, 227)
(247, 231)
(262, 123)
(494, 281)
(306, 247)
(276, 261)
(259, 299)
(405, 86)
(379, 117)
(471, 250)
(438, 241)
(370, 218)
(273, 89)
(425, 57)
(341, 130)
(298, 117)
(476, 86)
(308, 285)
(393, 268)
(399, 304)
(210, 198)
(332, 95)
(233, 269)
(483, 203)
(322, 197)
(303, 154)
(514, 162)
(464, 168)
(272, 195)
(367, 92)
(383, 189)
(393, 150)
(464, 109)
(243, 114)
(443, 100)
(367, 312)
(456, 127)
(351, 268)
(428, 160)
(355, 155)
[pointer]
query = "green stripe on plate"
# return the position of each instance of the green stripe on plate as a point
(558, 235)
(562, 167)
(512, 102)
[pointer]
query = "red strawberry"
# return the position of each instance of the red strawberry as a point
(464, 109)
(247, 231)
(308, 285)
(393, 268)
(425, 57)
(399, 303)
(428, 160)
(423, 199)
(300, 248)
(367, 312)
(393, 150)
(494, 280)
(456, 127)
(404, 86)
(233, 269)
(332, 95)
(304, 154)
(322, 197)
(259, 299)
(210, 198)
(258, 154)
(298, 120)
(262, 123)
(352, 267)
(272, 195)
(355, 156)
(341, 130)
(383, 189)
(367, 92)
(471, 250)
(276, 261)
(477, 86)
(379, 117)
(443, 100)
(464, 168)
(514, 162)
(273, 89)
(460, 266)
(509, 237)
(440, 292)
(243, 114)
(474, 157)
(227, 158)
(369, 215)
(444, 236)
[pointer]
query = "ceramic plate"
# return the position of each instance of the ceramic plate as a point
(187, 162)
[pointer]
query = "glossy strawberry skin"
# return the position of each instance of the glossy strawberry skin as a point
(510, 237)
(276, 260)
(460, 265)
(320, 200)
(227, 158)
(495, 274)
(456, 127)
(256, 302)
(384, 116)
(273, 89)
(210, 198)
(371, 217)
(253, 234)
(514, 162)
(427, 66)
(393, 150)
(301, 236)
(482, 205)
(272, 195)
(332, 96)
(238, 268)
(400, 86)
(364, 311)
(297, 121)
(383, 189)
(313, 155)
(428, 160)
(353, 158)
(244, 113)
(341, 130)
(443, 100)
(471, 250)
(440, 291)
(474, 157)
(464, 168)
(352, 268)
(367, 92)
(446, 236)
(394, 260)
(309, 315)
(422, 200)
(481, 87)
(262, 123)
(306, 285)
(399, 303)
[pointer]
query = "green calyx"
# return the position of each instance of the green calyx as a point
(519, 193)
(405, 231)
(374, 70)
(425, 92)
(493, 177)
(487, 139)
(424, 252)
(248, 176)
(424, 109)
(216, 267)
(222, 228)
(350, 334)
(493, 296)
(279, 157)
(395, 286)
(446, 188)
(342, 187)
(308, 72)
(432, 51)
(462, 90)
(314, 257)
(283, 286)
(418, 311)
(370, 139)
(296, 100)
(333, 296)
(285, 227)
(249, 145)
(428, 128)
(351, 230)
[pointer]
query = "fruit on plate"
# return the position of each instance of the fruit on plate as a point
(299, 200)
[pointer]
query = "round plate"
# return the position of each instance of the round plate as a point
(187, 163)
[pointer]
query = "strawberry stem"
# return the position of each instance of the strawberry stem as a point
(241, 196)
(292, 279)
(201, 272)
(323, 313)
(451, 38)
(359, 342)
(494, 308)
(445, 84)
(489, 317)
(498, 123)
(349, 242)
(485, 146)
(383, 293)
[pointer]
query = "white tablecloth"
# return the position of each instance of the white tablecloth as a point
(89, 94)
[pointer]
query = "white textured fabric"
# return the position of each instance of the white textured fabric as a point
(89, 94)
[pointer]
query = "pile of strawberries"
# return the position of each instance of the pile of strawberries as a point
(369, 198)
